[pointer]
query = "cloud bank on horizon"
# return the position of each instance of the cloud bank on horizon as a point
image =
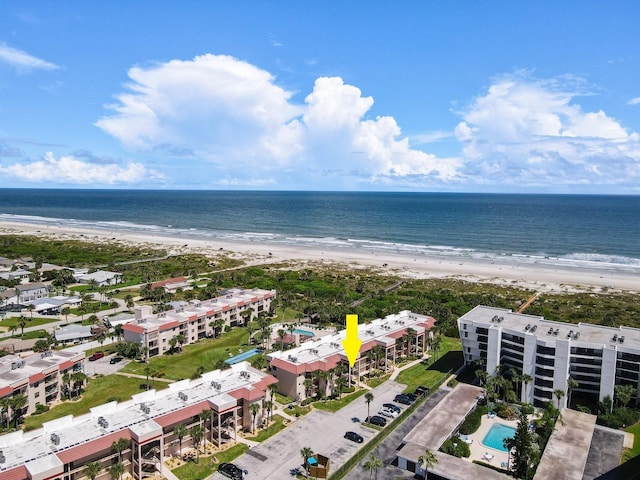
(224, 116)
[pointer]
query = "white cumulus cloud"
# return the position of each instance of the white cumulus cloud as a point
(22, 60)
(71, 170)
(533, 132)
(234, 114)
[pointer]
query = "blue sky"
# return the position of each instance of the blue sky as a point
(362, 95)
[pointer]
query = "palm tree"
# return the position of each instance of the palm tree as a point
(197, 434)
(119, 446)
(31, 308)
(305, 453)
(205, 415)
(5, 404)
(92, 469)
(78, 379)
(372, 465)
(273, 388)
(128, 300)
(281, 333)
(254, 408)
(571, 384)
(368, 397)
(148, 371)
(526, 379)
(17, 403)
(66, 311)
(116, 470)
(22, 321)
(180, 431)
(427, 461)
(558, 394)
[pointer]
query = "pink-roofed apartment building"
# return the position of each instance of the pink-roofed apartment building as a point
(195, 319)
(384, 342)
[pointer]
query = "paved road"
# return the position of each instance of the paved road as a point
(323, 432)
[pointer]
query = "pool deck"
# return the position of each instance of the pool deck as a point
(478, 450)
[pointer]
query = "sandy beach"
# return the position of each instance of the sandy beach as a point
(538, 277)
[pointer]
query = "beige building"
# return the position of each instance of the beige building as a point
(384, 342)
(62, 447)
(194, 320)
(38, 377)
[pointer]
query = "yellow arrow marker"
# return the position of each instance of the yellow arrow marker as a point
(352, 343)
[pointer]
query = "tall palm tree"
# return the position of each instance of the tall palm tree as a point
(17, 403)
(180, 431)
(558, 394)
(197, 434)
(571, 384)
(281, 333)
(92, 469)
(205, 416)
(31, 308)
(22, 321)
(268, 406)
(119, 446)
(65, 311)
(306, 453)
(372, 465)
(368, 397)
(526, 379)
(427, 461)
(116, 470)
(5, 405)
(254, 408)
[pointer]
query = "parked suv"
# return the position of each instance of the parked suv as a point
(354, 437)
(420, 390)
(376, 420)
(388, 412)
(403, 399)
(96, 356)
(392, 406)
(230, 470)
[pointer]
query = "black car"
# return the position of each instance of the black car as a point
(412, 396)
(393, 407)
(115, 360)
(403, 399)
(354, 437)
(420, 390)
(376, 420)
(230, 470)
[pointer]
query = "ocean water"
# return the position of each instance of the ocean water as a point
(577, 230)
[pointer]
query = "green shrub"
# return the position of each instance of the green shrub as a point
(40, 408)
(472, 422)
(527, 409)
(457, 447)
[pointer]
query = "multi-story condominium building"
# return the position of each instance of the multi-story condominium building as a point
(549, 353)
(38, 377)
(195, 319)
(384, 341)
(62, 447)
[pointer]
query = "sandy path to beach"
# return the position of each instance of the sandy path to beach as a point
(539, 277)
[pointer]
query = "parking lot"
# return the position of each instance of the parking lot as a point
(103, 367)
(323, 432)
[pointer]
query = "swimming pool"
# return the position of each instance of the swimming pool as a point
(242, 356)
(306, 333)
(495, 436)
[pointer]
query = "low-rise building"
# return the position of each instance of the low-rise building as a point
(384, 341)
(30, 291)
(195, 319)
(549, 353)
(38, 377)
(100, 277)
(147, 422)
(172, 285)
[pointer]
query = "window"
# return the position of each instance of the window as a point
(466, 334)
(37, 395)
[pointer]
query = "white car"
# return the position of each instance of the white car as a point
(387, 412)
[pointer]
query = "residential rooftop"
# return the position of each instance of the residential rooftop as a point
(144, 416)
(550, 331)
(16, 371)
(327, 351)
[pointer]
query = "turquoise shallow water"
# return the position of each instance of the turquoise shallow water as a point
(304, 332)
(495, 436)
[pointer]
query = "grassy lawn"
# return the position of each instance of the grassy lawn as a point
(449, 360)
(630, 453)
(335, 405)
(31, 335)
(36, 322)
(206, 467)
(206, 353)
(375, 382)
(99, 390)
(297, 410)
(271, 430)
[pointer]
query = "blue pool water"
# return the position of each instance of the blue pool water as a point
(304, 332)
(242, 356)
(495, 436)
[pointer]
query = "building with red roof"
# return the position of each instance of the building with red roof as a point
(384, 342)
